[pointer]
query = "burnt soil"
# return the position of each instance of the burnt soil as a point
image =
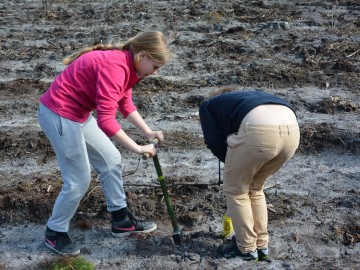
(304, 51)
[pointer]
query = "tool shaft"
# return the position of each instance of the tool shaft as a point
(177, 235)
(165, 193)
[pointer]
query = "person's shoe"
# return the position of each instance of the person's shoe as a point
(60, 243)
(263, 254)
(131, 225)
(231, 250)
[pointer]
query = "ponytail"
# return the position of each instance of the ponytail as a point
(103, 47)
(153, 43)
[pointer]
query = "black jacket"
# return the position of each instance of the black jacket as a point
(222, 115)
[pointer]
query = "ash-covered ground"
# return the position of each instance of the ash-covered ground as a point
(304, 51)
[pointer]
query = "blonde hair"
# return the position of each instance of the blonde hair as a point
(222, 91)
(153, 43)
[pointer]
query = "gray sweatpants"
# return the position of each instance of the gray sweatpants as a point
(77, 147)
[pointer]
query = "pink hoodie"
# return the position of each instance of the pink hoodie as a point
(98, 80)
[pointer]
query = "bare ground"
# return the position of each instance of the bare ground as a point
(304, 51)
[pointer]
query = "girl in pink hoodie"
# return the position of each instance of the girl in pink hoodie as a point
(98, 78)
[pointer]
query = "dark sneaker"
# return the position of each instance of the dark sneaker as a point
(131, 225)
(263, 254)
(230, 250)
(60, 243)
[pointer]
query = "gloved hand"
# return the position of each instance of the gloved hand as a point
(228, 227)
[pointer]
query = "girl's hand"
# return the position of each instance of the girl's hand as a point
(156, 134)
(148, 148)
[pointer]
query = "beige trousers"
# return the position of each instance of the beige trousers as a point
(254, 153)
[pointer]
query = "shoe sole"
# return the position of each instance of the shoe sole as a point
(230, 256)
(121, 234)
(249, 259)
(62, 253)
(262, 256)
(265, 258)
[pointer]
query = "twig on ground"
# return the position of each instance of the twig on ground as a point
(87, 195)
(352, 54)
(270, 207)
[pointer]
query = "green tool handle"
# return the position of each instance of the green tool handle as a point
(165, 193)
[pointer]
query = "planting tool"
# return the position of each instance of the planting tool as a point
(177, 235)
